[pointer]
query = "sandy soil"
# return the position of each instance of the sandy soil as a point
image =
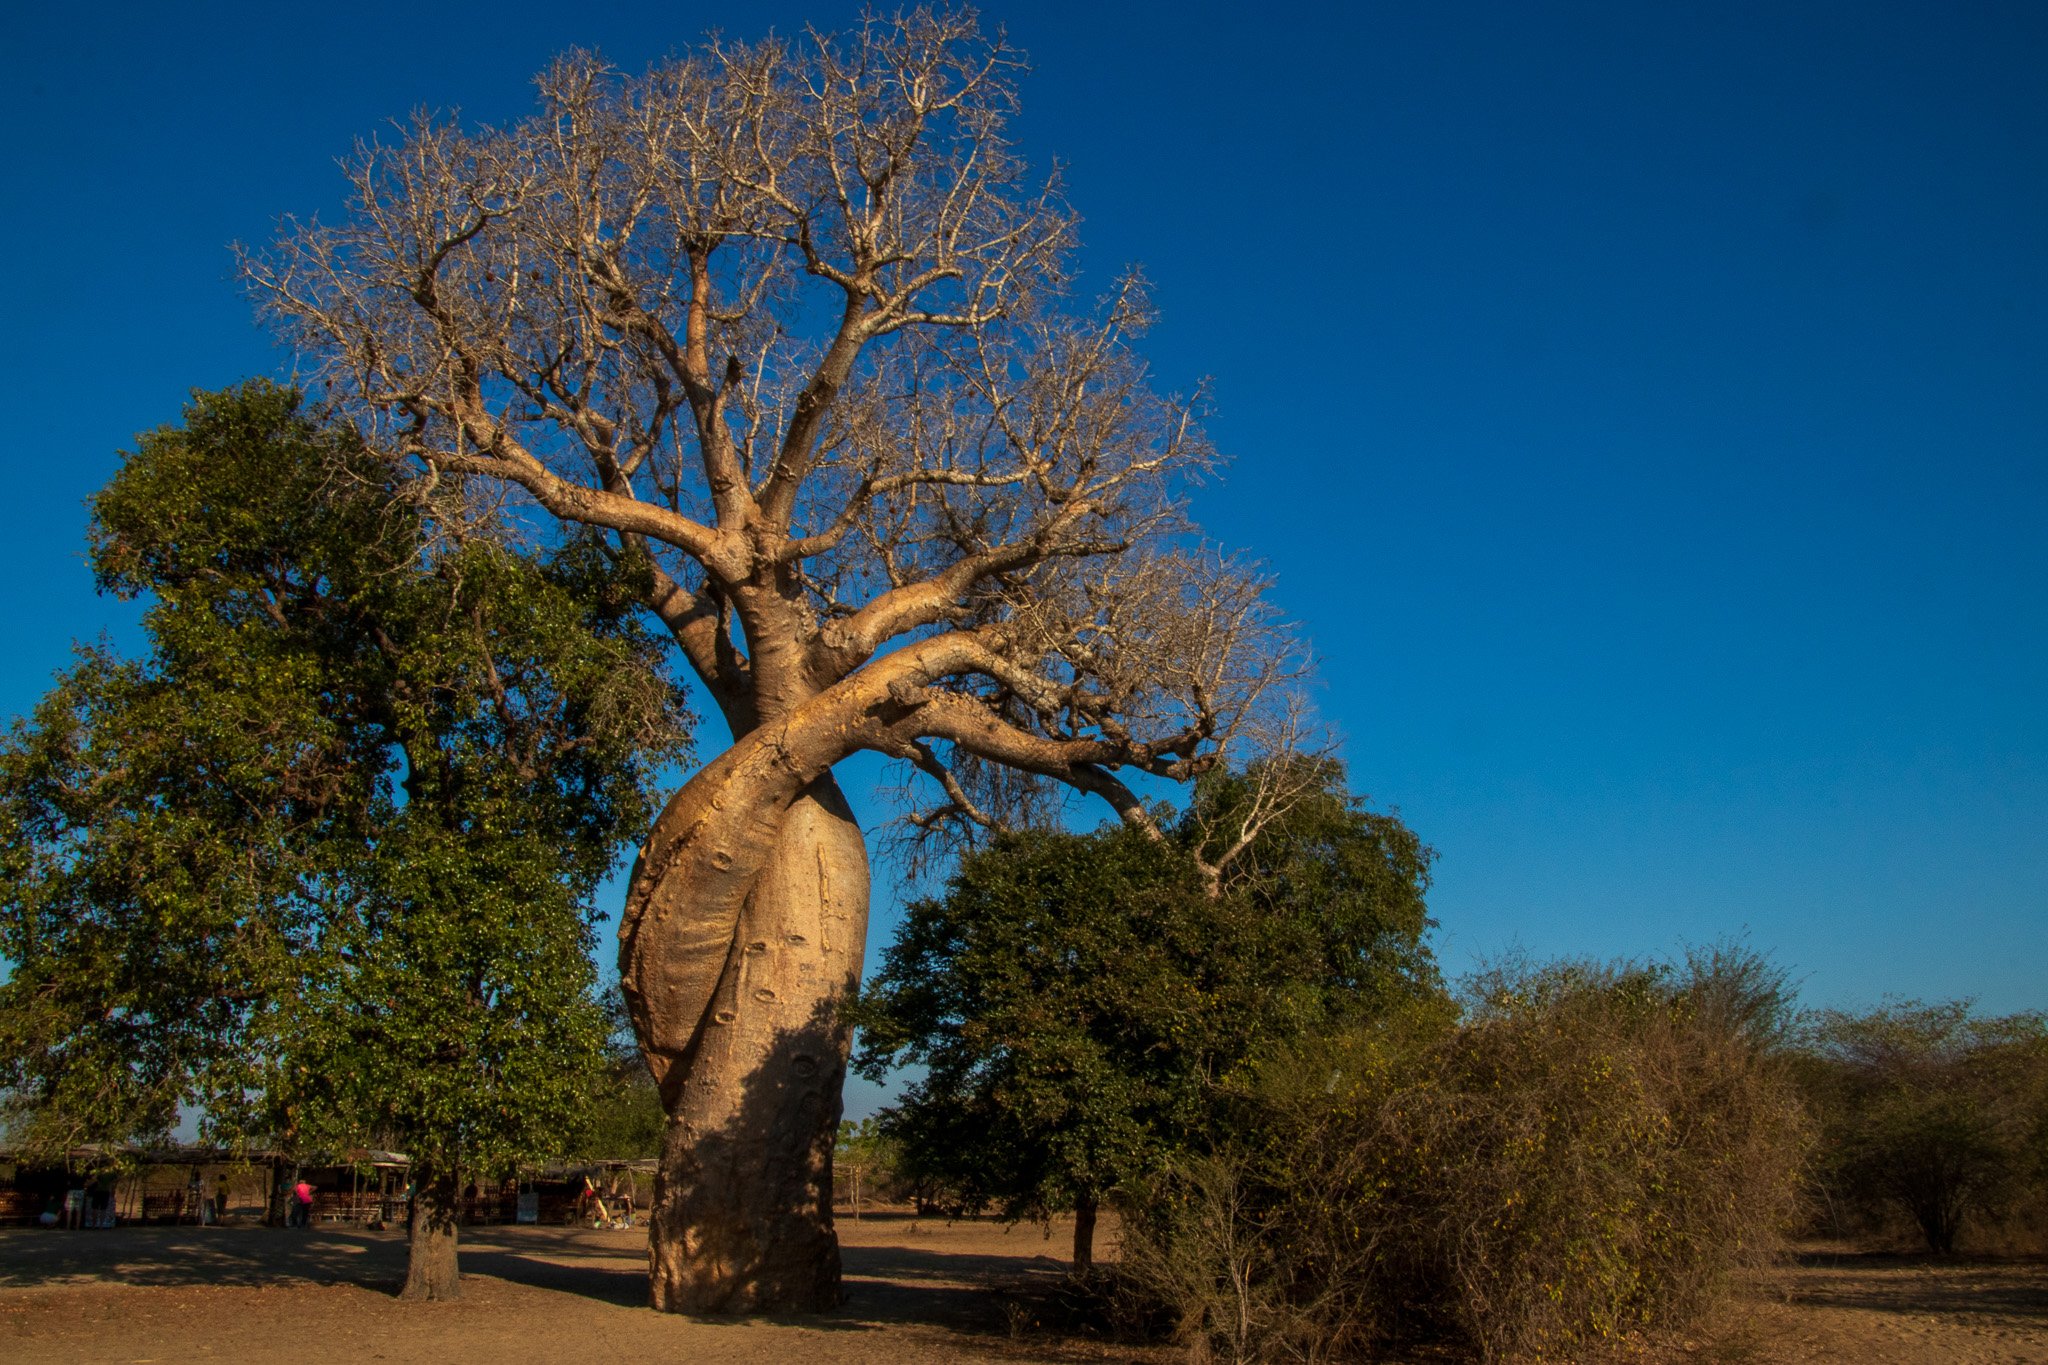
(1890, 1310)
(917, 1292)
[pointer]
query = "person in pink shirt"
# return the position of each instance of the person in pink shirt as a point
(302, 1204)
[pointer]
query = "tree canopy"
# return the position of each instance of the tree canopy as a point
(1077, 1000)
(319, 863)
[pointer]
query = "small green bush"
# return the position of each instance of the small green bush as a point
(1588, 1152)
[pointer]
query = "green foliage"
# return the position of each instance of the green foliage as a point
(1077, 1000)
(319, 862)
(626, 1119)
(864, 1144)
(1046, 996)
(1931, 1111)
(866, 1162)
(1335, 891)
(1585, 1154)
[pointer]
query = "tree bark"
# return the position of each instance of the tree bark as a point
(742, 1216)
(431, 1268)
(1084, 1234)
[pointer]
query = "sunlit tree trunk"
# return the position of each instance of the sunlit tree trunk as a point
(742, 1216)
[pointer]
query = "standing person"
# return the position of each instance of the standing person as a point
(302, 1203)
(220, 1200)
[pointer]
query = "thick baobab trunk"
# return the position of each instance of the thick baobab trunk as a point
(431, 1268)
(742, 1217)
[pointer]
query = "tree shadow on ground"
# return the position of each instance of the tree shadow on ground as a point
(180, 1257)
(2011, 1288)
(575, 1262)
(964, 1291)
(885, 1285)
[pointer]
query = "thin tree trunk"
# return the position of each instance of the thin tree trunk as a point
(1084, 1234)
(742, 1215)
(431, 1268)
(277, 1205)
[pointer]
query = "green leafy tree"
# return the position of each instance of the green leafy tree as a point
(320, 862)
(1929, 1109)
(1076, 999)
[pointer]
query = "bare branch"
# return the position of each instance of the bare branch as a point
(793, 319)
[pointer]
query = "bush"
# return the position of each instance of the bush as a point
(1929, 1112)
(1587, 1153)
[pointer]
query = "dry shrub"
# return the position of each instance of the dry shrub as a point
(1932, 1118)
(2019, 1228)
(1586, 1154)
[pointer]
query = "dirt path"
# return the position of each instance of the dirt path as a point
(917, 1293)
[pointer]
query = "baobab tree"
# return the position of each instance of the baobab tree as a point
(794, 325)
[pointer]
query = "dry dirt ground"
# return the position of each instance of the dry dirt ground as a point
(917, 1292)
(1889, 1310)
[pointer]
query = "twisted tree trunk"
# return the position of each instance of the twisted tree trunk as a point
(736, 982)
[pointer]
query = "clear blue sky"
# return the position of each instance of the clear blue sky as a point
(1644, 407)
